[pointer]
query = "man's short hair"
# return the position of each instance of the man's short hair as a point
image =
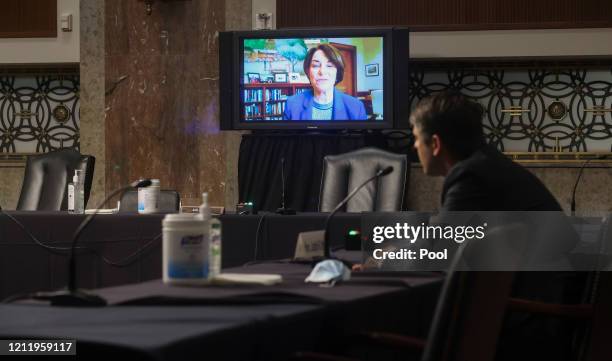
(332, 54)
(454, 118)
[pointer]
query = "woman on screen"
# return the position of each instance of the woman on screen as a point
(324, 68)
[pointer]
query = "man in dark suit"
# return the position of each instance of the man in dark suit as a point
(449, 141)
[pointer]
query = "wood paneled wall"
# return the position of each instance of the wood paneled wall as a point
(28, 18)
(162, 95)
(447, 14)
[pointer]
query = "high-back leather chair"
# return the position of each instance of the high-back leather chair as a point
(343, 172)
(45, 184)
(471, 307)
(169, 201)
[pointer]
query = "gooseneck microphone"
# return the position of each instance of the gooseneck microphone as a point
(381, 173)
(282, 209)
(73, 296)
(573, 200)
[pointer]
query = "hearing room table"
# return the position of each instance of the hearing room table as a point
(135, 240)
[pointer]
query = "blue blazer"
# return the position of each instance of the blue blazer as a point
(346, 107)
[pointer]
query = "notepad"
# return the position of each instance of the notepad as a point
(102, 211)
(247, 278)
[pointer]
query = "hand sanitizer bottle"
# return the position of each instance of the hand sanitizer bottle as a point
(213, 232)
(204, 208)
(76, 193)
(215, 248)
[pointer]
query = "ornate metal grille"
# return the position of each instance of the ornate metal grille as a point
(532, 110)
(39, 113)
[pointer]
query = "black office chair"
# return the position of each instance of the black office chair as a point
(169, 201)
(472, 305)
(45, 184)
(343, 172)
(468, 316)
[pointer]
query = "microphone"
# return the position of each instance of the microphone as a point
(327, 246)
(573, 200)
(282, 209)
(73, 296)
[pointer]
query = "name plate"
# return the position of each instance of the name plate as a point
(310, 245)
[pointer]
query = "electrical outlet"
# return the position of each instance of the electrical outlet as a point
(66, 22)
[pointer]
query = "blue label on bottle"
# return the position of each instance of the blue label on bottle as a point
(187, 270)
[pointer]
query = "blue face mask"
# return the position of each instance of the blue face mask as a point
(329, 271)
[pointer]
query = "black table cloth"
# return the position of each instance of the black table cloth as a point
(26, 266)
(213, 327)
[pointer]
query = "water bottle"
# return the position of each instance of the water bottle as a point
(76, 193)
(205, 208)
(148, 198)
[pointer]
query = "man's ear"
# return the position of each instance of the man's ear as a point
(436, 145)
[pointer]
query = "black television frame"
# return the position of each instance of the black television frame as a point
(395, 79)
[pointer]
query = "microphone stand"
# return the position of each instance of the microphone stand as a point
(573, 200)
(282, 210)
(73, 296)
(327, 241)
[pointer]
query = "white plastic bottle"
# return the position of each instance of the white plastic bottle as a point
(215, 247)
(148, 198)
(76, 193)
(205, 208)
(185, 249)
(213, 232)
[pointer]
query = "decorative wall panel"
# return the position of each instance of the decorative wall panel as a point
(39, 113)
(534, 109)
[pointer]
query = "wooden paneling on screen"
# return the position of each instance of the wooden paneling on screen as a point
(447, 14)
(28, 18)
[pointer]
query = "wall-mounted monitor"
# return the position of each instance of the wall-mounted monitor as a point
(314, 79)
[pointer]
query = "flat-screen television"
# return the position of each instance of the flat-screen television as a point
(341, 78)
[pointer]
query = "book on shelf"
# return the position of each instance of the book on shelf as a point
(252, 110)
(268, 101)
(253, 95)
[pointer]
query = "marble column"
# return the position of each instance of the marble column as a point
(237, 17)
(92, 132)
(162, 116)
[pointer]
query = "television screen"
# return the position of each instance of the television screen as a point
(314, 78)
(306, 79)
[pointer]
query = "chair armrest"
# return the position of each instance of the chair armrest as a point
(577, 311)
(395, 340)
(315, 356)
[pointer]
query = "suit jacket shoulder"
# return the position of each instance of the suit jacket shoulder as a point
(347, 107)
(489, 181)
(298, 106)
